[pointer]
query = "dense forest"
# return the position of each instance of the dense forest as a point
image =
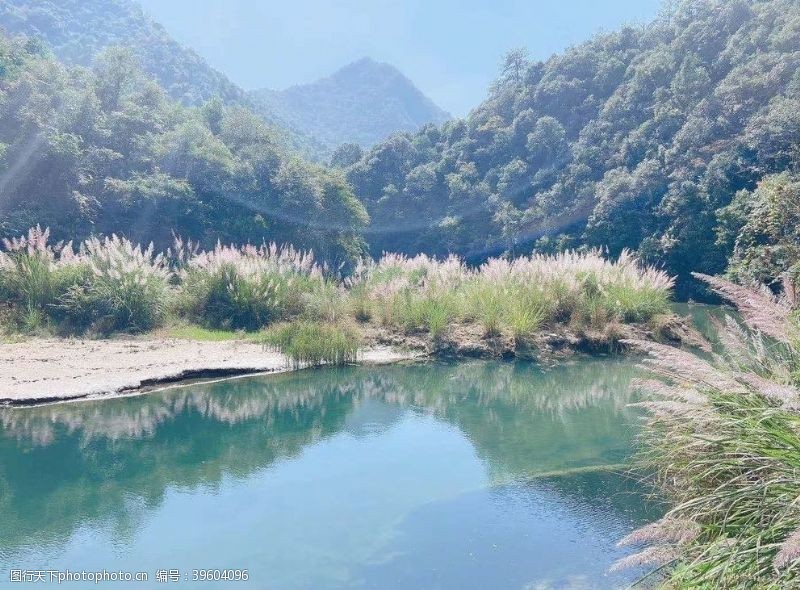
(659, 139)
(101, 150)
(678, 140)
(77, 30)
(362, 103)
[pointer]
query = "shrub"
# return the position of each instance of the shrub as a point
(126, 288)
(248, 288)
(313, 343)
(34, 275)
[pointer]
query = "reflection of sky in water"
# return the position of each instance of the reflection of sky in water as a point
(366, 477)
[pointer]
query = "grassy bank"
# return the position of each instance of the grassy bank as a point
(723, 439)
(108, 285)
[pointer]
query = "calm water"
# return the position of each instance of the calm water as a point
(470, 475)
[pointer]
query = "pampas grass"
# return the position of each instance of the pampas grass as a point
(248, 287)
(125, 289)
(723, 440)
(34, 274)
(110, 284)
(516, 296)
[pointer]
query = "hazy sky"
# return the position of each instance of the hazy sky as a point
(451, 49)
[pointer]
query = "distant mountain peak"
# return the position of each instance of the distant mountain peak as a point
(362, 102)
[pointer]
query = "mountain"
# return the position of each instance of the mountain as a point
(363, 103)
(104, 150)
(77, 30)
(636, 139)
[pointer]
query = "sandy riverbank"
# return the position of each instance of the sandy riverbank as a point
(49, 370)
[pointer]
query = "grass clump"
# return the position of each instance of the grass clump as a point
(34, 275)
(517, 296)
(126, 288)
(107, 285)
(723, 440)
(314, 343)
(248, 288)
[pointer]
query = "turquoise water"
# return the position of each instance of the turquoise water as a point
(469, 475)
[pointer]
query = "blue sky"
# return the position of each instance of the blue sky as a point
(451, 49)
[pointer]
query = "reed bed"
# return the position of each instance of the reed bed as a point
(723, 440)
(514, 296)
(110, 284)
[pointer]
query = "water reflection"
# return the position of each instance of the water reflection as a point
(455, 434)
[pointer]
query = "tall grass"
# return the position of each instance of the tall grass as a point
(107, 284)
(110, 284)
(34, 274)
(249, 287)
(314, 343)
(126, 287)
(515, 296)
(723, 439)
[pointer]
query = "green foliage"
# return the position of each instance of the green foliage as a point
(764, 226)
(312, 343)
(635, 303)
(631, 140)
(200, 334)
(104, 151)
(78, 30)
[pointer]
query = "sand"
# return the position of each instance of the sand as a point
(50, 370)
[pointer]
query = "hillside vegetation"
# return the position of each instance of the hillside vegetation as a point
(362, 103)
(634, 139)
(78, 30)
(677, 140)
(100, 151)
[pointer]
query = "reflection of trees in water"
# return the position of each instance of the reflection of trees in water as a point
(64, 465)
(436, 388)
(91, 471)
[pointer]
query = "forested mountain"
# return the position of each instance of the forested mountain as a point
(105, 150)
(635, 139)
(678, 139)
(77, 30)
(362, 103)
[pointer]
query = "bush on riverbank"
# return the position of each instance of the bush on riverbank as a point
(248, 288)
(723, 439)
(111, 285)
(515, 296)
(314, 343)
